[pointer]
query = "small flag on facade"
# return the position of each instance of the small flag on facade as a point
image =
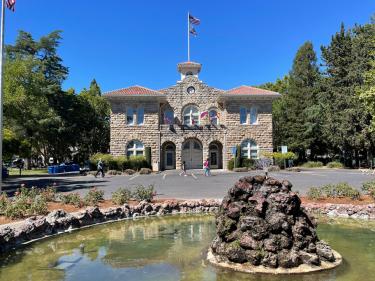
(11, 4)
(204, 114)
(194, 20)
(193, 31)
(167, 120)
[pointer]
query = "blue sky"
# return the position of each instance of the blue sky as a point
(122, 42)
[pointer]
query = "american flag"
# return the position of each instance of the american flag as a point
(204, 114)
(11, 4)
(167, 120)
(193, 31)
(194, 20)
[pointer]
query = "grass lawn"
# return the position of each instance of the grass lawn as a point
(34, 172)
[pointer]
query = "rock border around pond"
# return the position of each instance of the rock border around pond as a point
(58, 221)
(249, 268)
(34, 228)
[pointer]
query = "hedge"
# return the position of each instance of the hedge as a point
(119, 163)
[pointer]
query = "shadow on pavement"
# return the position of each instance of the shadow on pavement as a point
(62, 184)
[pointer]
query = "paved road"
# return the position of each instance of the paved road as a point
(170, 184)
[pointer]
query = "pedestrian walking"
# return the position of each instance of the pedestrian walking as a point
(183, 167)
(100, 168)
(206, 167)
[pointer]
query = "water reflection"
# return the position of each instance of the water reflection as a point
(169, 248)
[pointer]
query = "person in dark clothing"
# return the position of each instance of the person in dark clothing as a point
(100, 168)
(184, 168)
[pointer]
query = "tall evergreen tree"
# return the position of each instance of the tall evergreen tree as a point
(345, 59)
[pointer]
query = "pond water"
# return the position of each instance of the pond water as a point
(166, 249)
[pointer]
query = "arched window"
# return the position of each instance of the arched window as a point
(134, 148)
(191, 115)
(214, 117)
(249, 149)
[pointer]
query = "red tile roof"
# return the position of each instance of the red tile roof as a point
(248, 90)
(133, 91)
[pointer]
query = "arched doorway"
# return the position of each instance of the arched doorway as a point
(192, 154)
(216, 155)
(169, 156)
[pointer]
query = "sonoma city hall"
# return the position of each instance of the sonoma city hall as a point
(190, 122)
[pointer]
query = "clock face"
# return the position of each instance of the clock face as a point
(191, 90)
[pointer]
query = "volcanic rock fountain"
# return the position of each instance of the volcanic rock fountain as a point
(262, 228)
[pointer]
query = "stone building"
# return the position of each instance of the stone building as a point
(190, 121)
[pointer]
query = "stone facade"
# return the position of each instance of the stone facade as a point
(227, 133)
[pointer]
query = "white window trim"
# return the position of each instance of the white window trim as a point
(137, 113)
(248, 115)
(134, 149)
(127, 114)
(135, 110)
(254, 107)
(249, 148)
(190, 115)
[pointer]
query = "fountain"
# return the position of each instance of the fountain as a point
(262, 228)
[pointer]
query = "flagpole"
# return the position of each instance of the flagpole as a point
(1, 89)
(188, 34)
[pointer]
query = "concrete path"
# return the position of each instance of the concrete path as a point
(172, 184)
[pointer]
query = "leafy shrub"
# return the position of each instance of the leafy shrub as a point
(345, 190)
(16, 210)
(121, 196)
(313, 164)
(94, 196)
(315, 193)
(107, 159)
(38, 206)
(4, 201)
(248, 163)
(144, 193)
(329, 190)
(369, 188)
(145, 171)
(280, 158)
(335, 164)
(339, 190)
(49, 193)
(26, 202)
(230, 164)
(29, 193)
(137, 162)
(71, 199)
(119, 163)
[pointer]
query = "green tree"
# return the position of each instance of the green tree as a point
(297, 113)
(95, 133)
(279, 110)
(346, 59)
